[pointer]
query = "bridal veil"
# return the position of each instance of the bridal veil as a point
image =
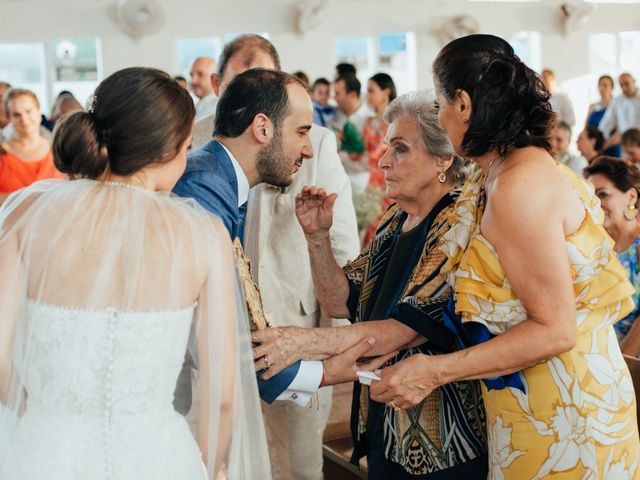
(91, 247)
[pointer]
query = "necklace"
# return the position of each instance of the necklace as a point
(128, 185)
(411, 225)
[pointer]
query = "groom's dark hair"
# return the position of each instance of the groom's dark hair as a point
(255, 91)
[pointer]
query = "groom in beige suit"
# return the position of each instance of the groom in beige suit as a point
(274, 242)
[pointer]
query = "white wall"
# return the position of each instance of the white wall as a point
(26, 20)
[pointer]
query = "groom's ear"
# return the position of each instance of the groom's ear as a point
(262, 129)
(215, 83)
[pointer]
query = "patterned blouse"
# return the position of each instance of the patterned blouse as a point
(448, 428)
(629, 260)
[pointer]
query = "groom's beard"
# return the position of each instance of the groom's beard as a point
(272, 165)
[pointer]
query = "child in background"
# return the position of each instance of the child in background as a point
(323, 113)
(630, 142)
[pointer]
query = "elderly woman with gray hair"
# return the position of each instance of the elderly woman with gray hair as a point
(394, 295)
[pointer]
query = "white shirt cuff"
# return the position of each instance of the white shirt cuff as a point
(306, 382)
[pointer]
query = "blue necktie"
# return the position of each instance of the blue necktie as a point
(323, 112)
(242, 214)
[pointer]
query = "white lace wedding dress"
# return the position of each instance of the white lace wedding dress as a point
(104, 289)
(99, 390)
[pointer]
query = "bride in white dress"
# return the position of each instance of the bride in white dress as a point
(106, 281)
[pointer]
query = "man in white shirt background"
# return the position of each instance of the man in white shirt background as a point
(202, 87)
(560, 101)
(623, 112)
(347, 96)
(351, 115)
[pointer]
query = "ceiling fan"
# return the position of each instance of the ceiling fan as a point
(576, 16)
(457, 26)
(309, 14)
(138, 18)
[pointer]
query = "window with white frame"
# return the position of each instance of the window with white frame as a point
(610, 54)
(359, 51)
(23, 65)
(397, 57)
(629, 51)
(391, 53)
(191, 48)
(71, 64)
(77, 66)
(527, 46)
(614, 53)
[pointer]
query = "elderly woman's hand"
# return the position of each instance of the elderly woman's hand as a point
(408, 382)
(314, 209)
(344, 367)
(280, 347)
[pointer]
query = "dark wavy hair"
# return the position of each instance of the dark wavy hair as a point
(623, 175)
(510, 104)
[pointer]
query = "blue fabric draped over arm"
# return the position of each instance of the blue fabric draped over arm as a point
(473, 333)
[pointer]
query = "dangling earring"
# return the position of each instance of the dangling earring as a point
(631, 212)
(442, 176)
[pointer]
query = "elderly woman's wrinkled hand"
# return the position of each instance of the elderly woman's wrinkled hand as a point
(314, 210)
(278, 348)
(406, 383)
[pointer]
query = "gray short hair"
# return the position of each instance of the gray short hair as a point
(420, 105)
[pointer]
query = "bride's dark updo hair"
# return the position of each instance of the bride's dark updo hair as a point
(510, 103)
(138, 116)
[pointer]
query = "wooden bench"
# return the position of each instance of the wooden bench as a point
(337, 444)
(336, 451)
(634, 368)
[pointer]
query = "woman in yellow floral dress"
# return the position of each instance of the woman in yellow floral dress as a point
(537, 284)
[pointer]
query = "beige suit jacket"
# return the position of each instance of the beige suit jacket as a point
(274, 241)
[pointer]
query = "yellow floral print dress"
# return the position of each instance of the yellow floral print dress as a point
(577, 419)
